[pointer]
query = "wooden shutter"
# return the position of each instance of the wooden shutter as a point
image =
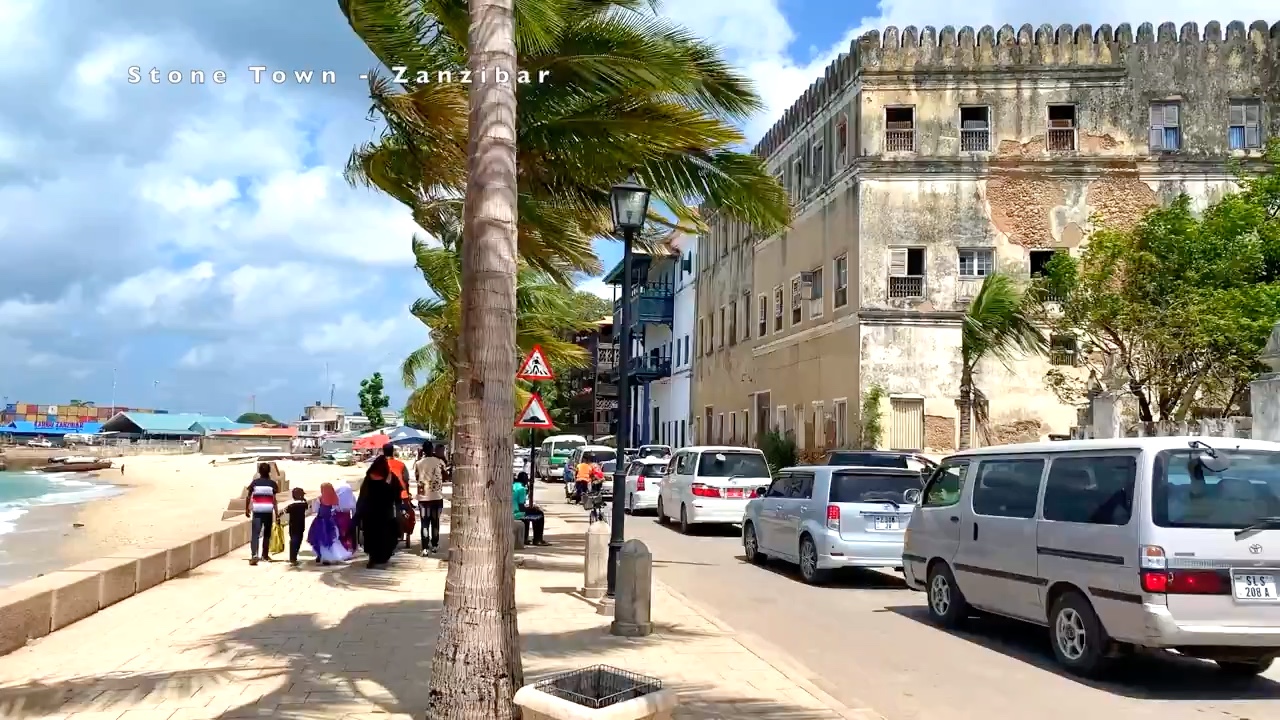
(898, 261)
(1155, 133)
(1253, 125)
(1171, 115)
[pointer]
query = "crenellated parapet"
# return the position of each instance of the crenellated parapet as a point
(914, 50)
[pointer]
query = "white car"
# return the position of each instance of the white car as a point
(711, 484)
(644, 480)
(41, 443)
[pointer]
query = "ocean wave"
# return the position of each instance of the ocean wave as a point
(9, 519)
(68, 489)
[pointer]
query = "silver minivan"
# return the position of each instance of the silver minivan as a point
(1114, 545)
(828, 517)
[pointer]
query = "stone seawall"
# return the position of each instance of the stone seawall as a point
(35, 608)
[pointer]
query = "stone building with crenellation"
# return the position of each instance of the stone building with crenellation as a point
(920, 162)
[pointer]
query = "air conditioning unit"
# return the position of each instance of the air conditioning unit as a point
(806, 285)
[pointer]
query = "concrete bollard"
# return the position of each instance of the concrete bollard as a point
(633, 603)
(595, 573)
(517, 534)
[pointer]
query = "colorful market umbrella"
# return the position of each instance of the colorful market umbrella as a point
(370, 442)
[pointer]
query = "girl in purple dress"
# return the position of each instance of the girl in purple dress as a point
(323, 535)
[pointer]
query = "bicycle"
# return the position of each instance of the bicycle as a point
(594, 502)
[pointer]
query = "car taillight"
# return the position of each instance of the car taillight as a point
(833, 517)
(1184, 582)
(705, 491)
(639, 484)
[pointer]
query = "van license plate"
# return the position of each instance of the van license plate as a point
(733, 492)
(886, 523)
(1255, 587)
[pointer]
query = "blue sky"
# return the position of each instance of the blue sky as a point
(198, 243)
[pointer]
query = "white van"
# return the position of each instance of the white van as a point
(711, 484)
(552, 454)
(1158, 542)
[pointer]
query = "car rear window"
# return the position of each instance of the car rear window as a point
(653, 471)
(868, 460)
(743, 464)
(1183, 495)
(597, 456)
(870, 487)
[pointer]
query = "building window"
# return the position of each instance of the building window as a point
(975, 129)
(745, 308)
(1040, 261)
(1062, 128)
(1165, 133)
(841, 281)
(702, 335)
(797, 179)
(842, 141)
(795, 301)
(733, 322)
(817, 167)
(816, 301)
(762, 315)
(976, 263)
(777, 308)
(722, 326)
(906, 273)
(782, 420)
(725, 229)
(899, 129)
(841, 409)
(1244, 124)
(719, 428)
(1063, 350)
(711, 332)
(687, 359)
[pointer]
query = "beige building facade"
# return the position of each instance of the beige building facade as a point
(921, 162)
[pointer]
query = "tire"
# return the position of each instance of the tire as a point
(810, 573)
(1244, 668)
(662, 516)
(631, 504)
(751, 545)
(947, 606)
(1079, 641)
(685, 527)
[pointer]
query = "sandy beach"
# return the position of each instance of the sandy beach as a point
(163, 500)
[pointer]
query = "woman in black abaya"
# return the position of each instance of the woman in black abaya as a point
(377, 512)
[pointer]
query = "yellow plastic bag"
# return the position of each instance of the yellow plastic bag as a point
(277, 539)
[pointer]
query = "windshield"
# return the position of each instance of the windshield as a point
(653, 471)
(608, 466)
(597, 456)
(868, 460)
(565, 448)
(869, 487)
(657, 451)
(1185, 494)
(742, 464)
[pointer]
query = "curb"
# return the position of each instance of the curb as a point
(776, 659)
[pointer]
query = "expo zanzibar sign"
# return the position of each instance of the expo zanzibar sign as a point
(47, 425)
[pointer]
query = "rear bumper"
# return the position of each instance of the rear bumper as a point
(646, 500)
(1164, 631)
(715, 512)
(836, 552)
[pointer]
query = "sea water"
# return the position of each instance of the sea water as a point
(22, 490)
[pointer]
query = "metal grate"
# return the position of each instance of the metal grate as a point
(1062, 139)
(972, 140)
(899, 140)
(599, 686)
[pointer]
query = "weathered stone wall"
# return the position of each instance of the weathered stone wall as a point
(722, 378)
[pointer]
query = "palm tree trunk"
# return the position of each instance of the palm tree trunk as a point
(476, 668)
(965, 406)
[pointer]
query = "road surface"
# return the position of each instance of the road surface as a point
(866, 640)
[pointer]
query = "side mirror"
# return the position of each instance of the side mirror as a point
(762, 491)
(911, 496)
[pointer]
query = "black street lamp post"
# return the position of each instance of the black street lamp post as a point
(630, 205)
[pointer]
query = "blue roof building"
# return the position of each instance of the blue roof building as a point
(164, 425)
(209, 425)
(51, 429)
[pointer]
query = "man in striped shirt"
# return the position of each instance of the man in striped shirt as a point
(260, 504)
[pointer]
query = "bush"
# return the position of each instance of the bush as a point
(870, 428)
(779, 450)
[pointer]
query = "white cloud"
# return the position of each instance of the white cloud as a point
(352, 333)
(597, 287)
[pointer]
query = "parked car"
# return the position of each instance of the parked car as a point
(1155, 542)
(711, 485)
(881, 458)
(609, 467)
(644, 480)
(39, 443)
(827, 517)
(650, 451)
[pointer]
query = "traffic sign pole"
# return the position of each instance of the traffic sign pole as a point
(534, 369)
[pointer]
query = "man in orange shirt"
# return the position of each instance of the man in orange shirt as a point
(401, 472)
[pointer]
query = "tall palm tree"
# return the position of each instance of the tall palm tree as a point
(546, 313)
(624, 90)
(1000, 324)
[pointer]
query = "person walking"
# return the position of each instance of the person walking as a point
(261, 506)
(376, 512)
(401, 473)
(429, 471)
(297, 512)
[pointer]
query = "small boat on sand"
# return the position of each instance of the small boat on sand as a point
(90, 466)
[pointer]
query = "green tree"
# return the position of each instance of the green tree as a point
(1000, 323)
(591, 307)
(1175, 309)
(256, 418)
(373, 400)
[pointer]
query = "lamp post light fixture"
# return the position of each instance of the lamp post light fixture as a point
(629, 201)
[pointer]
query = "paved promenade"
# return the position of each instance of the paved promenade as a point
(234, 641)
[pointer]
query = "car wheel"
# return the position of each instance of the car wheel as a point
(631, 504)
(809, 570)
(1078, 638)
(685, 528)
(947, 606)
(662, 516)
(1244, 668)
(751, 545)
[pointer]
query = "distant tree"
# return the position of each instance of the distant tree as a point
(373, 400)
(80, 403)
(591, 307)
(256, 418)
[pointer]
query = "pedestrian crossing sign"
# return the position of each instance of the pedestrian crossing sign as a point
(535, 366)
(535, 415)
